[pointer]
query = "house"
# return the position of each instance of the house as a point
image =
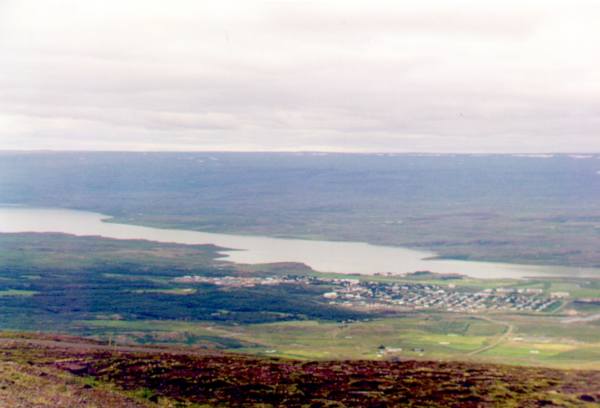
(330, 295)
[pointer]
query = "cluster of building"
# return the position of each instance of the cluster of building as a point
(417, 296)
(402, 296)
(589, 300)
(244, 281)
(236, 281)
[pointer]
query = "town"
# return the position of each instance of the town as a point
(419, 296)
(359, 294)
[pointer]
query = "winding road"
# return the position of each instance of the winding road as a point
(507, 332)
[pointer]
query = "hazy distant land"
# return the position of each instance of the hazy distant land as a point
(533, 209)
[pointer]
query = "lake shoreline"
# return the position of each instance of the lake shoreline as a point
(345, 257)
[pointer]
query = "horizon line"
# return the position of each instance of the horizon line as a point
(308, 151)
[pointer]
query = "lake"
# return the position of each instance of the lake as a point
(325, 256)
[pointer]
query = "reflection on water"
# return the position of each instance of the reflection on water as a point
(326, 256)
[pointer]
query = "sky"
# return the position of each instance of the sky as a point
(290, 75)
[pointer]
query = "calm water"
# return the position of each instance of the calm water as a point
(326, 256)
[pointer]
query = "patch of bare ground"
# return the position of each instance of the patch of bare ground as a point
(29, 386)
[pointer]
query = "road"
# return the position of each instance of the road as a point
(507, 332)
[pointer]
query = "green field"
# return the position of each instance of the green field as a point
(431, 336)
(124, 291)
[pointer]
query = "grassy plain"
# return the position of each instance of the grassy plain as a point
(533, 340)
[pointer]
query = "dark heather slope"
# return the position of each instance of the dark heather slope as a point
(182, 377)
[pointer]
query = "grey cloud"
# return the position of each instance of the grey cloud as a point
(454, 18)
(333, 75)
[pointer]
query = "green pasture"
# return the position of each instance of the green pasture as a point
(549, 342)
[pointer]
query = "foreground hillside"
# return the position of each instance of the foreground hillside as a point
(59, 371)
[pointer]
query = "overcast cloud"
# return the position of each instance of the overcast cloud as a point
(402, 76)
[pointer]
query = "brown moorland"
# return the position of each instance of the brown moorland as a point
(55, 371)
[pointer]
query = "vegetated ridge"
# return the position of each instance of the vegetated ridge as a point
(59, 371)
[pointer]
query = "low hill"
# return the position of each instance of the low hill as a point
(60, 371)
